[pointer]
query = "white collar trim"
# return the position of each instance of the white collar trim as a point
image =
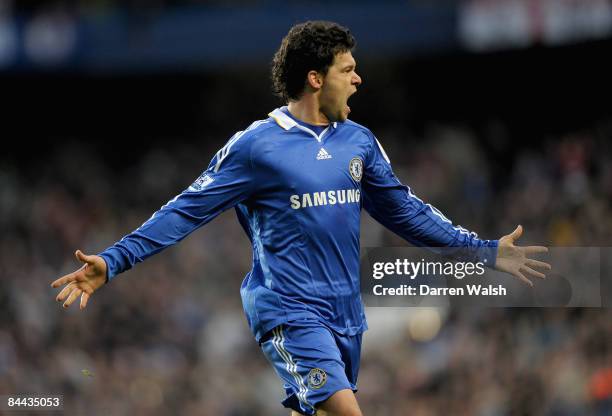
(287, 123)
(283, 119)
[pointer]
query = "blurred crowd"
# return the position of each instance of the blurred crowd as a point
(169, 336)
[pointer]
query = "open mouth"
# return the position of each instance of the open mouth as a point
(348, 98)
(347, 108)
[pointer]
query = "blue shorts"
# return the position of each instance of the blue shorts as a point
(313, 361)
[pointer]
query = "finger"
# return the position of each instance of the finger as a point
(70, 277)
(84, 257)
(539, 264)
(64, 293)
(86, 289)
(523, 278)
(518, 231)
(75, 294)
(84, 299)
(532, 273)
(535, 249)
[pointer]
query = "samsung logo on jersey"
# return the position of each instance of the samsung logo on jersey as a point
(340, 196)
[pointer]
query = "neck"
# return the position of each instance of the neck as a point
(307, 110)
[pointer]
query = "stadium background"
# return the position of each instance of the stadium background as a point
(497, 112)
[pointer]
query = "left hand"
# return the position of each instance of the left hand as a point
(513, 259)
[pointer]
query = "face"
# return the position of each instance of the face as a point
(339, 84)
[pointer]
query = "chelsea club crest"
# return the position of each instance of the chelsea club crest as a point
(356, 168)
(316, 378)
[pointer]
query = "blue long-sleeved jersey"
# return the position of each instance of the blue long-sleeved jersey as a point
(298, 195)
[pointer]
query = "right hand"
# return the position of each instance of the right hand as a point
(82, 282)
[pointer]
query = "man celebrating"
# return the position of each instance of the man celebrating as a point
(298, 181)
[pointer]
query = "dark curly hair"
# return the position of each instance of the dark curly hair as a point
(308, 46)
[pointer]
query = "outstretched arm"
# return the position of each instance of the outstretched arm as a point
(227, 181)
(82, 282)
(395, 206)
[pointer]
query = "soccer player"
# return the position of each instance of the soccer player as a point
(298, 180)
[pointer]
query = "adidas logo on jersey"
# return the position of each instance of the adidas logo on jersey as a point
(323, 154)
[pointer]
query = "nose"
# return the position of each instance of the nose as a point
(356, 79)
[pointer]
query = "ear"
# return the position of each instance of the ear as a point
(315, 79)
